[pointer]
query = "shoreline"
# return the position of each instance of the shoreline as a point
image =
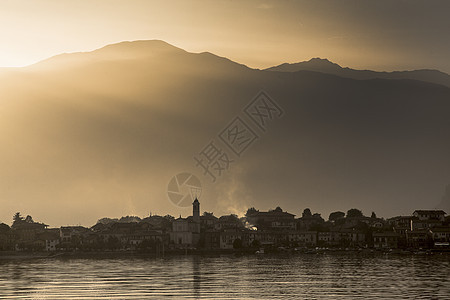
(12, 255)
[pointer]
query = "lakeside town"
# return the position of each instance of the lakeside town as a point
(257, 232)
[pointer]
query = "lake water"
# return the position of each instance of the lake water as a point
(322, 276)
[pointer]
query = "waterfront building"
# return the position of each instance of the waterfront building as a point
(186, 231)
(385, 240)
(276, 219)
(426, 215)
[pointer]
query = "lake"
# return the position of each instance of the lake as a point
(313, 276)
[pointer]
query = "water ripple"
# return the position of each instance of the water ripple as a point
(228, 277)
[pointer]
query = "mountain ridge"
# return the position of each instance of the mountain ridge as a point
(159, 49)
(326, 66)
(140, 50)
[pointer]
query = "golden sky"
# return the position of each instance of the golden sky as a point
(380, 35)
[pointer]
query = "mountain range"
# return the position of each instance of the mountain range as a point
(328, 67)
(101, 133)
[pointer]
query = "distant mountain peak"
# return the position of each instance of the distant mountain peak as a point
(314, 64)
(139, 49)
(323, 65)
(139, 45)
(322, 62)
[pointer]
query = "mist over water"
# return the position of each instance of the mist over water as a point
(343, 276)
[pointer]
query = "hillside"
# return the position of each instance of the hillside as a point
(98, 133)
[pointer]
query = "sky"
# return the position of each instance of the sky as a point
(379, 35)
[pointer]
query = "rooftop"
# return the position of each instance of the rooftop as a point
(430, 211)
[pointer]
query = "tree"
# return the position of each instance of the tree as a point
(130, 219)
(107, 221)
(4, 227)
(17, 219)
(374, 215)
(234, 217)
(251, 211)
(29, 219)
(306, 213)
(317, 216)
(237, 244)
(167, 222)
(255, 244)
(169, 218)
(334, 216)
(354, 213)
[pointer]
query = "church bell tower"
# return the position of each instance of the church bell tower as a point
(196, 211)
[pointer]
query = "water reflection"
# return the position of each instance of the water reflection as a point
(229, 277)
(196, 275)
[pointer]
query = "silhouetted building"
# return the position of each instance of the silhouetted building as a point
(420, 238)
(402, 224)
(50, 239)
(211, 239)
(186, 231)
(228, 238)
(303, 238)
(385, 240)
(196, 211)
(228, 222)
(441, 234)
(68, 233)
(425, 215)
(208, 222)
(273, 219)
